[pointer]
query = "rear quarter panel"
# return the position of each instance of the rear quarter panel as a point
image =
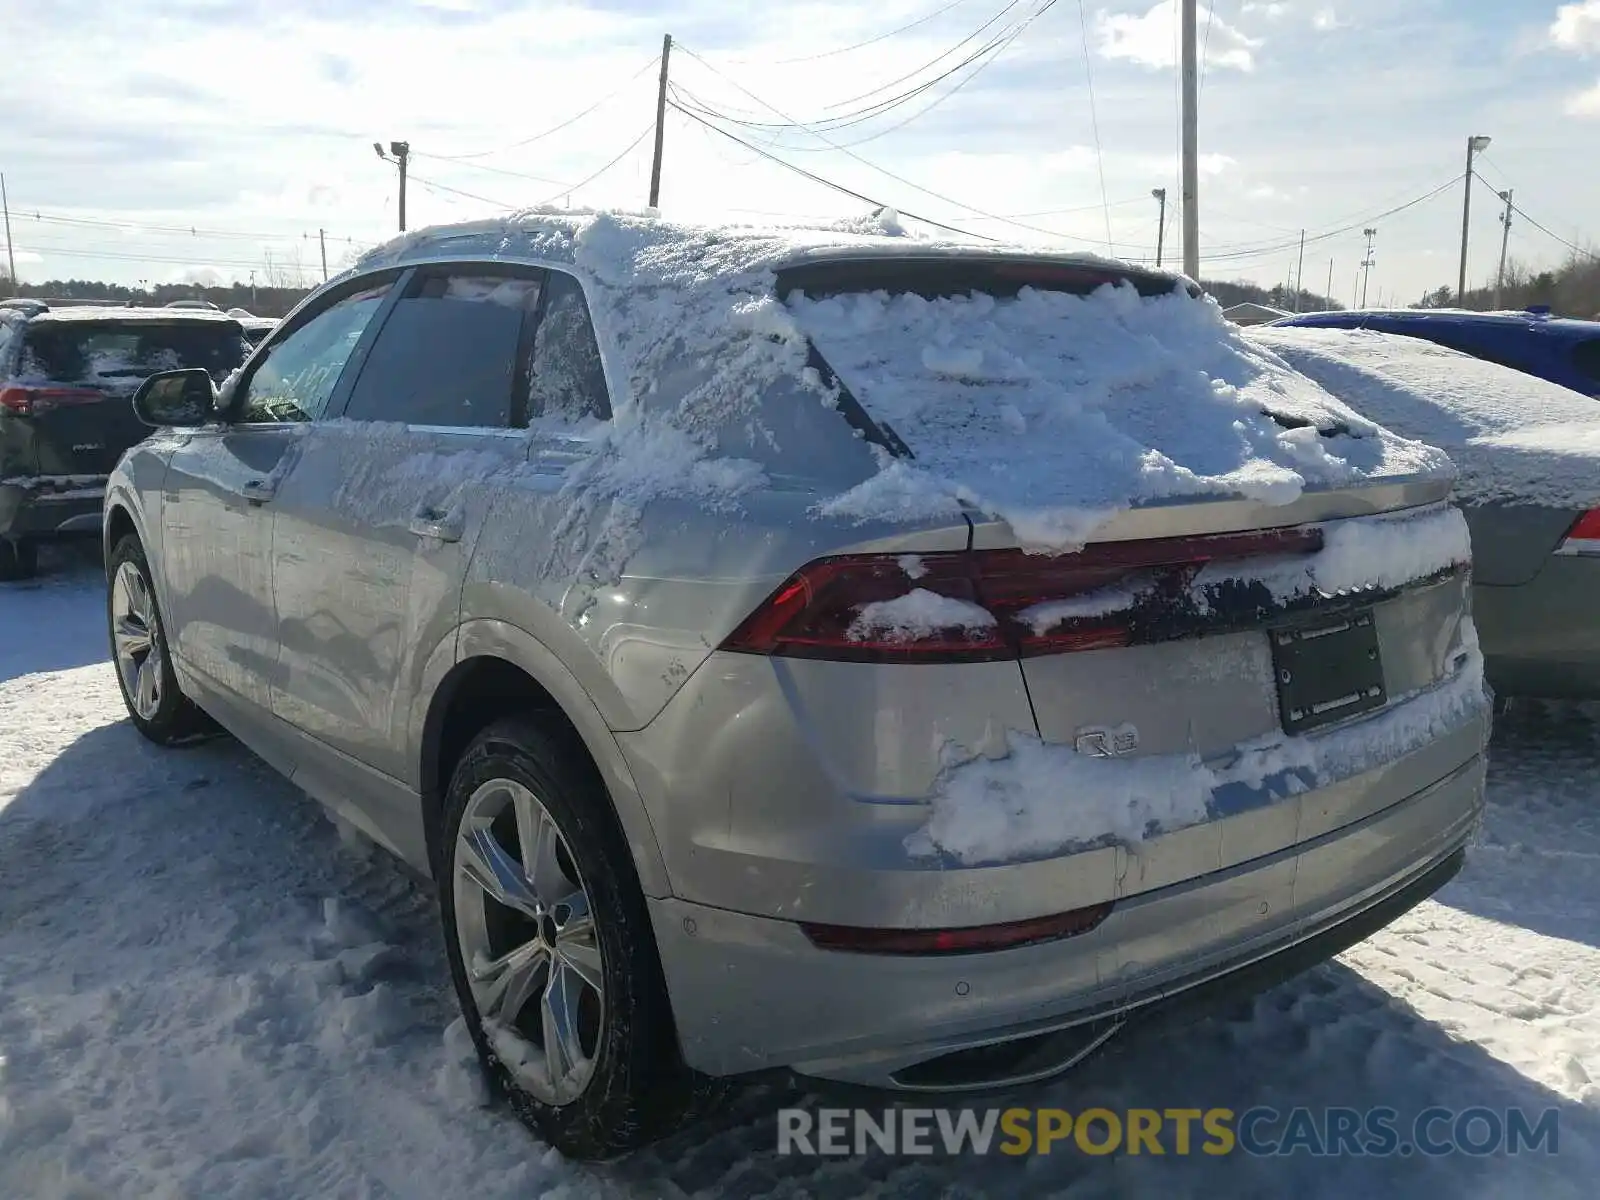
(1511, 543)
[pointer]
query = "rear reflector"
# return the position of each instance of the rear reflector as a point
(1584, 536)
(30, 401)
(985, 605)
(975, 939)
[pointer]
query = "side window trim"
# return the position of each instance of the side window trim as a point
(397, 278)
(358, 360)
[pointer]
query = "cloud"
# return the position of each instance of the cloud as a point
(1577, 27)
(1585, 104)
(1271, 11)
(1325, 20)
(21, 255)
(1149, 38)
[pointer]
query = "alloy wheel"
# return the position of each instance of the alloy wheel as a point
(528, 942)
(136, 638)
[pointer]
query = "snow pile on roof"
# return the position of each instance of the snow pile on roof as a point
(1513, 436)
(1041, 799)
(1054, 411)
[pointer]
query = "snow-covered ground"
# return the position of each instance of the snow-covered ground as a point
(205, 992)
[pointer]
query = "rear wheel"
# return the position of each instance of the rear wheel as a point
(19, 559)
(551, 950)
(139, 651)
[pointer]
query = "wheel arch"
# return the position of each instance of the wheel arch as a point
(495, 669)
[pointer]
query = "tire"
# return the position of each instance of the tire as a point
(139, 652)
(630, 1085)
(18, 560)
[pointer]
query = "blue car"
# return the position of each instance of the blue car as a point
(1563, 351)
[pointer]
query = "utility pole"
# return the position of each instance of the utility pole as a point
(1300, 272)
(322, 242)
(402, 154)
(1505, 237)
(11, 252)
(1161, 230)
(661, 122)
(1366, 264)
(1191, 145)
(1474, 145)
(1329, 292)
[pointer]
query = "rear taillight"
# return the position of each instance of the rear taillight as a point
(30, 401)
(1584, 536)
(987, 604)
(969, 940)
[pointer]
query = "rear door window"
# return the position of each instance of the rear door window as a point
(118, 354)
(567, 382)
(447, 355)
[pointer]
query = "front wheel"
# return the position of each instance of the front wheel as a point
(149, 686)
(551, 950)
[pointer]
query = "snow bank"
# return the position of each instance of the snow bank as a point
(1513, 437)
(1042, 799)
(1055, 411)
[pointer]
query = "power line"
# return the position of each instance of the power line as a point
(433, 183)
(19, 215)
(485, 167)
(931, 63)
(572, 120)
(827, 183)
(875, 167)
(1094, 123)
(993, 49)
(1248, 252)
(1573, 246)
(627, 150)
(872, 41)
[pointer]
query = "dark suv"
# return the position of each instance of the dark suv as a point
(66, 379)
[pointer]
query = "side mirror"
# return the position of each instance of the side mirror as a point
(176, 398)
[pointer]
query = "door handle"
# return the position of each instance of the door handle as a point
(430, 523)
(257, 491)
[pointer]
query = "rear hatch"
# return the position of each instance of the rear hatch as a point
(1204, 566)
(76, 377)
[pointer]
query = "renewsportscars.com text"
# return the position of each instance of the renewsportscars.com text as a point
(1259, 1132)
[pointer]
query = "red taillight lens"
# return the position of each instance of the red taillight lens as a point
(971, 940)
(986, 604)
(1584, 536)
(30, 401)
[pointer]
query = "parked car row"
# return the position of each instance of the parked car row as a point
(674, 600)
(66, 378)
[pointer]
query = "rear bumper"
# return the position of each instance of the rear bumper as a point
(1542, 637)
(52, 506)
(753, 993)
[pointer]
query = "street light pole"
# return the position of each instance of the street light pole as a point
(1161, 230)
(402, 155)
(1475, 144)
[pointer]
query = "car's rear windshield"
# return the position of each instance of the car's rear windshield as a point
(944, 352)
(119, 353)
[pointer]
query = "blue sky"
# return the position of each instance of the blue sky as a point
(131, 122)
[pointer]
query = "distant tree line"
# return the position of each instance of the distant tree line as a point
(1237, 291)
(262, 301)
(1570, 290)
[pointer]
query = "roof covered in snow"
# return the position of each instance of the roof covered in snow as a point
(1049, 410)
(1513, 436)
